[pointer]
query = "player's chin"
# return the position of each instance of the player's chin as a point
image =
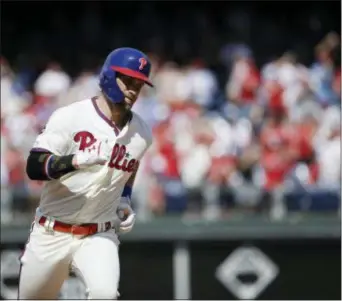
(129, 103)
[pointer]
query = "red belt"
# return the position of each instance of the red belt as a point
(82, 229)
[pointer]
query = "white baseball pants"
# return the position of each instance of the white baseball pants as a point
(48, 257)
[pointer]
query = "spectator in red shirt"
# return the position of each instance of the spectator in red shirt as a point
(278, 148)
(165, 166)
(244, 81)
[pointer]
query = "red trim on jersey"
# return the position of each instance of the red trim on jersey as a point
(46, 166)
(40, 150)
(104, 117)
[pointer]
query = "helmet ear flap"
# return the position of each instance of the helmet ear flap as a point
(110, 87)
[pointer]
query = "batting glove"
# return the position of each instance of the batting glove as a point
(97, 154)
(126, 215)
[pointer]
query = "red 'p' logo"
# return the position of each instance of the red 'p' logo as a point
(142, 62)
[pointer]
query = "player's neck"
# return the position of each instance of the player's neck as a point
(114, 113)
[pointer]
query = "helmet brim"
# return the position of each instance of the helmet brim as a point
(132, 73)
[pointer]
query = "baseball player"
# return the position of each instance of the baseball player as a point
(88, 154)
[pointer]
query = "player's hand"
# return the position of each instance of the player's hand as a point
(97, 154)
(126, 215)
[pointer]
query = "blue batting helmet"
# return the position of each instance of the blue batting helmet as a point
(127, 61)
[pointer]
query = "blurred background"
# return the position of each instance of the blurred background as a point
(239, 195)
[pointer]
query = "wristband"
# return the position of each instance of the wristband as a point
(127, 192)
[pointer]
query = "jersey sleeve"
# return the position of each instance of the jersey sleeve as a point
(55, 137)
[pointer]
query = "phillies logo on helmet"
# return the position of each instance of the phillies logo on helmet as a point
(142, 62)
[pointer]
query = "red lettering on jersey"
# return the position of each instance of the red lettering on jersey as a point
(85, 139)
(143, 63)
(124, 165)
(115, 152)
(118, 160)
(132, 165)
(119, 157)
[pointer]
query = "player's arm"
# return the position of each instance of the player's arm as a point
(125, 211)
(50, 159)
(45, 166)
(127, 192)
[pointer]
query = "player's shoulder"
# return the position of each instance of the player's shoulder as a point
(77, 106)
(67, 116)
(143, 128)
(73, 110)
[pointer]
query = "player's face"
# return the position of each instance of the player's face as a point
(130, 87)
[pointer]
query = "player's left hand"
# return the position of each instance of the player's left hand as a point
(126, 215)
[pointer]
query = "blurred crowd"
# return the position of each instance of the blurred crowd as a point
(267, 132)
(271, 131)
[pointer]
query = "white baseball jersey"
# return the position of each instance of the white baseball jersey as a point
(90, 195)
